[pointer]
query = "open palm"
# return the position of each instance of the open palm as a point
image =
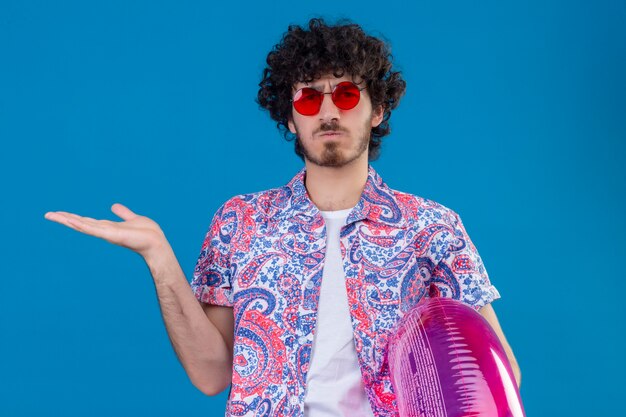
(138, 233)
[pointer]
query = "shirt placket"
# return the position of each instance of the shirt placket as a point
(297, 390)
(354, 271)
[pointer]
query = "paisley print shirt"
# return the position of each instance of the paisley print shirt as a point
(264, 255)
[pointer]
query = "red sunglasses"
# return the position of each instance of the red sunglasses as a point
(308, 101)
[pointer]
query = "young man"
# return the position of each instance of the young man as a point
(301, 285)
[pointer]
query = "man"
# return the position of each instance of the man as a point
(301, 285)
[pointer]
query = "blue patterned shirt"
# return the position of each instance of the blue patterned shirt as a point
(264, 255)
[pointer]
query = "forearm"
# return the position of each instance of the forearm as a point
(517, 373)
(489, 314)
(199, 345)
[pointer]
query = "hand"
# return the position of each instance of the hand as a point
(138, 233)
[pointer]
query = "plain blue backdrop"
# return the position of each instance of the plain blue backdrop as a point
(514, 116)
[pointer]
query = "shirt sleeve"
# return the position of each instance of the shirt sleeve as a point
(211, 282)
(460, 274)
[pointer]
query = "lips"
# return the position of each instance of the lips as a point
(331, 133)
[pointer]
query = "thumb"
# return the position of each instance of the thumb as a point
(123, 211)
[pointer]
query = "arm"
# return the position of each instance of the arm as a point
(201, 336)
(488, 313)
(479, 278)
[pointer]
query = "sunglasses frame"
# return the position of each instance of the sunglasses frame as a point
(323, 94)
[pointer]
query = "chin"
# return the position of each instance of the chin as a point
(335, 160)
(333, 153)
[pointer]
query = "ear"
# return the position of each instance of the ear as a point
(377, 115)
(291, 125)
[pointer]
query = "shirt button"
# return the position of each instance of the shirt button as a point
(302, 340)
(294, 400)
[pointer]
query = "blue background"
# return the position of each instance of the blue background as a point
(514, 116)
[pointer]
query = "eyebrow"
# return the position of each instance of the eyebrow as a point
(353, 80)
(316, 86)
(321, 87)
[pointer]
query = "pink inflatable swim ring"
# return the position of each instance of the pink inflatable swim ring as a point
(446, 361)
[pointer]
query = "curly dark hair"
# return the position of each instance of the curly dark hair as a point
(305, 55)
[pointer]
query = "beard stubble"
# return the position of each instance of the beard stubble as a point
(331, 155)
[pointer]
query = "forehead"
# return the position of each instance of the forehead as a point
(327, 79)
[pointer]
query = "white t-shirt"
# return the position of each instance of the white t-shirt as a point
(334, 384)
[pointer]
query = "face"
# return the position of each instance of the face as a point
(335, 137)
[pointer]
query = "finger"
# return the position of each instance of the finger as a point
(58, 215)
(95, 228)
(85, 225)
(63, 217)
(123, 211)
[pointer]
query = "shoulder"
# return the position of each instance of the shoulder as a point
(420, 211)
(264, 204)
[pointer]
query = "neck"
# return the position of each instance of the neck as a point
(332, 188)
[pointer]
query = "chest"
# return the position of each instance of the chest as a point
(384, 267)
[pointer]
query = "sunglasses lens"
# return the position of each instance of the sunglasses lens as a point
(346, 95)
(307, 101)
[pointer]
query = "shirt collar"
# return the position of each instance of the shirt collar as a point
(378, 202)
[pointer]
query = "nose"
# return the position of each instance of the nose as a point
(328, 110)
